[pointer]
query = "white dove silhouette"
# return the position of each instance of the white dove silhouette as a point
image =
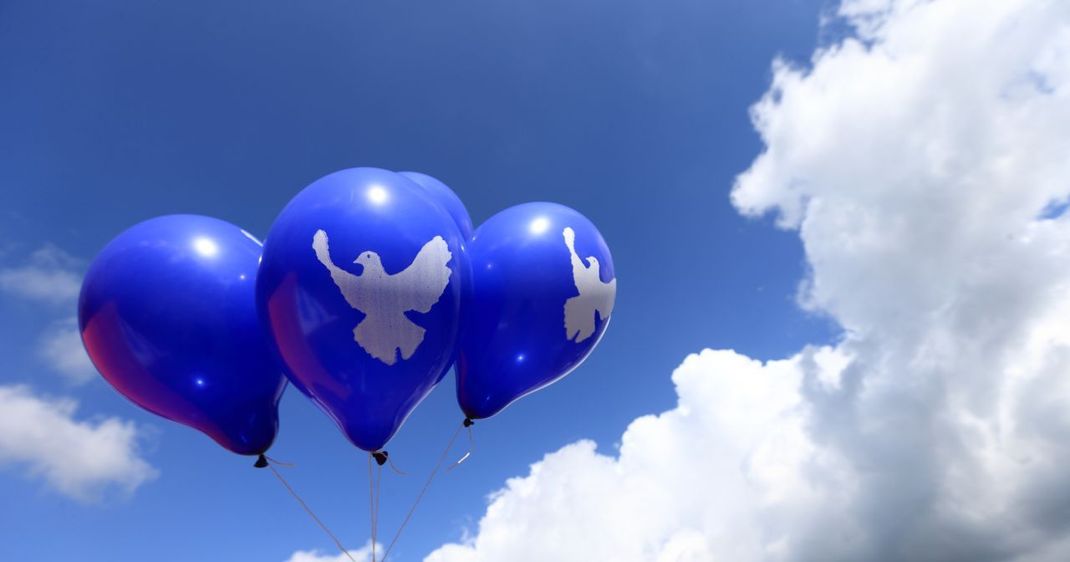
(384, 298)
(595, 296)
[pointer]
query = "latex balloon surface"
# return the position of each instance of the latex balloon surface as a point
(168, 315)
(447, 199)
(542, 292)
(360, 288)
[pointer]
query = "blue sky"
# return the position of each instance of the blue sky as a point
(633, 113)
(869, 257)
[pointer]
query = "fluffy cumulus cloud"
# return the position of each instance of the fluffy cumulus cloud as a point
(81, 459)
(364, 554)
(683, 487)
(924, 164)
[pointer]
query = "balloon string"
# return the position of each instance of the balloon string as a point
(311, 514)
(471, 447)
(395, 468)
(378, 496)
(373, 504)
(280, 463)
(427, 484)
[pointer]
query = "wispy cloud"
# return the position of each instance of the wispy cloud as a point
(61, 348)
(915, 165)
(81, 459)
(363, 554)
(51, 276)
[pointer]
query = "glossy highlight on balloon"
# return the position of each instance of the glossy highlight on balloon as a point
(541, 295)
(168, 315)
(360, 288)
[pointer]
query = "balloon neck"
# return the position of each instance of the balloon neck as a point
(261, 462)
(468, 422)
(380, 457)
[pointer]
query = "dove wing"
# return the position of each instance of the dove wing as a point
(424, 281)
(348, 284)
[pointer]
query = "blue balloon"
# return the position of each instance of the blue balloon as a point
(168, 315)
(447, 199)
(360, 288)
(542, 292)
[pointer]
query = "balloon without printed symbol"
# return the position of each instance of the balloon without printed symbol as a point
(542, 292)
(360, 288)
(168, 315)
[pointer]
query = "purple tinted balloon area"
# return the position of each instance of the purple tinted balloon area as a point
(168, 315)
(541, 294)
(360, 289)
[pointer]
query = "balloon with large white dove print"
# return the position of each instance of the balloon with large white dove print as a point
(540, 297)
(360, 288)
(446, 199)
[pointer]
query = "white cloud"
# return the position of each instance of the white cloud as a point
(695, 483)
(680, 489)
(50, 276)
(80, 459)
(915, 164)
(61, 347)
(361, 555)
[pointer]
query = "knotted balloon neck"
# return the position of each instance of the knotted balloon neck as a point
(380, 457)
(468, 422)
(261, 462)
